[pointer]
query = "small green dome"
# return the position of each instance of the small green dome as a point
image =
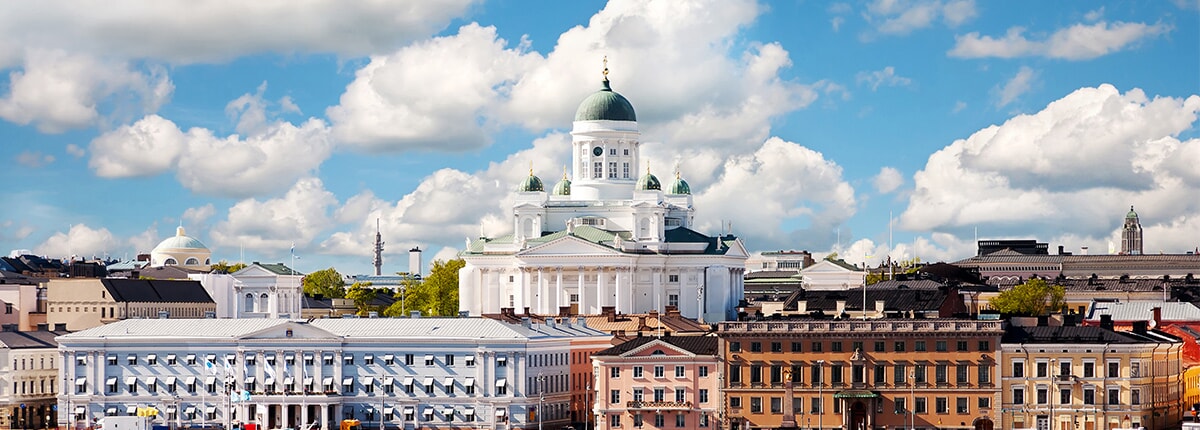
(605, 105)
(680, 186)
(563, 187)
(531, 184)
(1131, 213)
(648, 182)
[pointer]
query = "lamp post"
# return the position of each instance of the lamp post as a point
(912, 399)
(587, 405)
(541, 398)
(1050, 372)
(820, 394)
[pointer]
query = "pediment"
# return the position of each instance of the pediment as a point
(253, 270)
(825, 266)
(290, 330)
(567, 245)
(658, 348)
(737, 249)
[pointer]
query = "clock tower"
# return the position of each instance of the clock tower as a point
(604, 140)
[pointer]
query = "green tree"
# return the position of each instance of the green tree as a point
(224, 267)
(409, 291)
(436, 295)
(326, 282)
(1034, 297)
(362, 294)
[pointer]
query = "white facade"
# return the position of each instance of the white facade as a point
(407, 373)
(181, 250)
(256, 291)
(832, 276)
(604, 236)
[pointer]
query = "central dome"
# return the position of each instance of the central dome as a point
(605, 105)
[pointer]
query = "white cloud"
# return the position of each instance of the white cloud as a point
(145, 241)
(57, 90)
(33, 159)
(886, 76)
(1077, 42)
(181, 31)
(904, 16)
(888, 180)
(273, 225)
(76, 150)
(1069, 171)
(1094, 15)
(11, 231)
(1015, 87)
(959, 106)
(836, 23)
(79, 240)
(271, 157)
(199, 215)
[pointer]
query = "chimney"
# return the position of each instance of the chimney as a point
(641, 322)
(1106, 321)
(654, 313)
(461, 314)
(526, 311)
(43, 327)
(879, 306)
(8, 327)
(673, 311)
(1083, 250)
(414, 314)
(609, 312)
(1060, 250)
(1139, 327)
(581, 322)
(802, 306)
(564, 311)
(162, 315)
(372, 314)
(841, 307)
(60, 326)
(1156, 317)
(526, 322)
(414, 261)
(551, 322)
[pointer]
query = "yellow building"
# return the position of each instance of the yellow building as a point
(1090, 378)
(1191, 393)
(85, 303)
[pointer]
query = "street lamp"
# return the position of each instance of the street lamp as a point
(587, 405)
(541, 398)
(912, 399)
(820, 394)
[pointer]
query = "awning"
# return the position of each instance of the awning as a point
(170, 409)
(448, 411)
(387, 410)
(308, 356)
(855, 394)
(501, 359)
(329, 356)
(367, 380)
(428, 357)
(190, 380)
(470, 360)
(289, 356)
(368, 357)
(80, 410)
(388, 357)
(388, 380)
(469, 411)
(289, 380)
(408, 380)
(230, 357)
(501, 413)
(110, 381)
(211, 357)
(191, 357)
(347, 381)
(469, 381)
(130, 380)
(428, 380)
(210, 380)
(327, 381)
(151, 356)
(81, 381)
(500, 382)
(111, 411)
(170, 357)
(170, 380)
(268, 381)
(449, 382)
(152, 380)
(271, 357)
(190, 410)
(211, 409)
(308, 380)
(427, 412)
(249, 379)
(409, 409)
(131, 410)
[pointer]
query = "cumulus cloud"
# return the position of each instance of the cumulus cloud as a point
(902, 17)
(56, 90)
(1015, 87)
(76, 150)
(1077, 42)
(888, 180)
(199, 215)
(148, 239)
(272, 156)
(11, 231)
(273, 225)
(886, 77)
(1072, 168)
(79, 240)
(33, 159)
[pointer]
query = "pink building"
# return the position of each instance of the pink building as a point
(670, 382)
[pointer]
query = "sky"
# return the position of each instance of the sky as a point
(889, 128)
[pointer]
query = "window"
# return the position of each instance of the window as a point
(960, 376)
(112, 360)
(1043, 369)
(960, 406)
(673, 300)
(658, 371)
(615, 419)
(625, 168)
(1114, 396)
(659, 419)
(703, 372)
(151, 359)
(672, 278)
(856, 346)
(776, 405)
(1135, 369)
(449, 359)
(1018, 369)
(612, 170)
(659, 394)
(680, 420)
(985, 346)
(776, 346)
(679, 395)
(942, 405)
(1135, 396)
(856, 373)
(614, 372)
(835, 346)
(703, 421)
(735, 402)
(755, 374)
(368, 359)
(899, 346)
(899, 375)
(735, 346)
(796, 347)
(348, 358)
(940, 346)
(919, 346)
(735, 374)
(919, 372)
(960, 346)
(1114, 369)
(940, 376)
(756, 405)
(1042, 396)
(612, 151)
(880, 346)
(81, 360)
(1064, 396)
(755, 346)
(985, 402)
(797, 371)
(816, 374)
(597, 170)
(702, 396)
(919, 405)
(678, 371)
(816, 405)
(816, 346)
(408, 359)
(1089, 396)
(835, 374)
(985, 373)
(429, 359)
(880, 373)
(327, 360)
(1064, 368)
(637, 371)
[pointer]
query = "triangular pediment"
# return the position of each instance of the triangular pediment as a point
(826, 266)
(567, 245)
(737, 249)
(658, 348)
(290, 330)
(253, 270)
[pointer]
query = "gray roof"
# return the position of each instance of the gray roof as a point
(156, 291)
(29, 339)
(1141, 311)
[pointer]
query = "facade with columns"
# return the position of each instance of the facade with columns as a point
(392, 373)
(603, 236)
(260, 290)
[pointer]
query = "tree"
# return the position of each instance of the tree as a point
(224, 267)
(1034, 297)
(436, 295)
(362, 294)
(326, 282)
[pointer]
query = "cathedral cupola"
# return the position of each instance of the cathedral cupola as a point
(679, 187)
(648, 182)
(563, 187)
(531, 183)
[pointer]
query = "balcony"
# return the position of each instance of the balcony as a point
(658, 405)
(1064, 380)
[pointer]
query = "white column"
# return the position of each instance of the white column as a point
(656, 278)
(519, 290)
(621, 305)
(583, 301)
(540, 307)
(558, 291)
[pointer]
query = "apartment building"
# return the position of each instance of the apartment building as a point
(669, 382)
(1091, 377)
(849, 374)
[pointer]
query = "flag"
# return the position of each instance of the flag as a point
(293, 250)
(286, 370)
(269, 370)
(228, 368)
(245, 395)
(210, 367)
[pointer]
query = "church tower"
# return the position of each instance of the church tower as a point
(1131, 234)
(604, 145)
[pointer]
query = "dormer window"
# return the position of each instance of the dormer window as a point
(191, 261)
(170, 262)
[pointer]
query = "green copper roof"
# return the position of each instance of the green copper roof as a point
(1131, 213)
(648, 182)
(680, 186)
(531, 183)
(605, 105)
(563, 187)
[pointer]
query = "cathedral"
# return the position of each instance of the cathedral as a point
(606, 235)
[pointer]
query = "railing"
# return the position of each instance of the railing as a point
(633, 404)
(861, 326)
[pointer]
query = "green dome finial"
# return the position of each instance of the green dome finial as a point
(680, 186)
(1131, 213)
(605, 104)
(648, 182)
(563, 187)
(531, 183)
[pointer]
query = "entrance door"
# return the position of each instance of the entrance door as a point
(1043, 422)
(983, 424)
(858, 416)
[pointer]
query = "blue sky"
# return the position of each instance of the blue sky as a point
(807, 125)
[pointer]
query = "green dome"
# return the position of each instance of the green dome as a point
(680, 186)
(648, 182)
(531, 183)
(563, 187)
(605, 105)
(1131, 213)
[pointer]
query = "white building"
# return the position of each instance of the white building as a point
(260, 290)
(604, 237)
(28, 377)
(181, 250)
(829, 275)
(407, 373)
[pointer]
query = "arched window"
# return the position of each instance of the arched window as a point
(191, 261)
(207, 261)
(248, 303)
(644, 228)
(170, 262)
(262, 303)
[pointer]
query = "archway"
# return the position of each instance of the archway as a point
(983, 424)
(858, 416)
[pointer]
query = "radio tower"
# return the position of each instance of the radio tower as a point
(378, 250)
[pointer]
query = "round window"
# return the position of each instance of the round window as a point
(597, 151)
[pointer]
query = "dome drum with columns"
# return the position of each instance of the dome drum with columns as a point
(604, 236)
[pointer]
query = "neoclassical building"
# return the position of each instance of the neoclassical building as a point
(603, 236)
(181, 250)
(260, 290)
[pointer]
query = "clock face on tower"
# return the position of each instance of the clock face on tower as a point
(597, 151)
